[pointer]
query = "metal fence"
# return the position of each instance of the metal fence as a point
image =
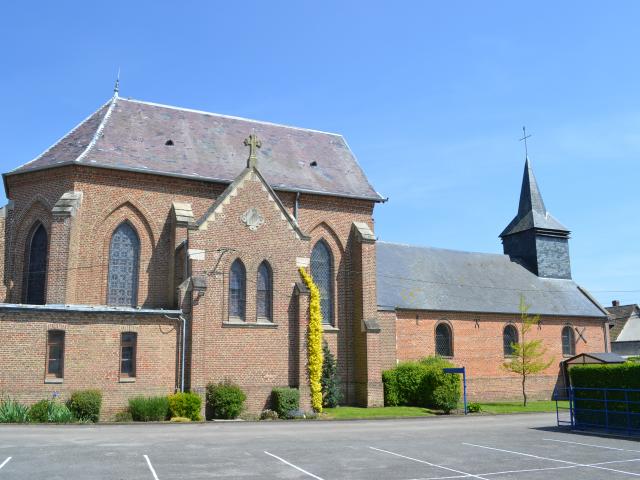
(612, 410)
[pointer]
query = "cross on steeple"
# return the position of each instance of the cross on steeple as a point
(524, 137)
(253, 142)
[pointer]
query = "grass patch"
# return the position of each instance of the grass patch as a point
(516, 407)
(375, 412)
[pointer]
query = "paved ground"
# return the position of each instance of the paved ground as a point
(503, 447)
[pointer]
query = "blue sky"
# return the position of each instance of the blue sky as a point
(431, 97)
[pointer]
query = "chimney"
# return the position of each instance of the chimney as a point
(615, 303)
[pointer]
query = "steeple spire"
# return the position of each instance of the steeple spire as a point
(530, 197)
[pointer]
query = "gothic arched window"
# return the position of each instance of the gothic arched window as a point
(444, 340)
(237, 290)
(124, 254)
(568, 341)
(509, 337)
(322, 273)
(264, 297)
(36, 266)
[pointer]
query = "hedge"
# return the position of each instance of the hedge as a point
(422, 384)
(625, 376)
(149, 409)
(285, 400)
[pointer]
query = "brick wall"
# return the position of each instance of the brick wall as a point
(478, 346)
(91, 356)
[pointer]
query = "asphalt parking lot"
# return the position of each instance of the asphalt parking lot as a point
(486, 447)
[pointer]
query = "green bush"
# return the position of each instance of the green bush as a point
(123, 416)
(474, 407)
(186, 405)
(149, 409)
(422, 384)
(224, 400)
(331, 394)
(390, 387)
(39, 412)
(285, 400)
(85, 405)
(13, 412)
(49, 411)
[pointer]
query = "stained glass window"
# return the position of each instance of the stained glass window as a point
(123, 266)
(568, 341)
(322, 273)
(237, 290)
(444, 340)
(36, 262)
(509, 337)
(264, 292)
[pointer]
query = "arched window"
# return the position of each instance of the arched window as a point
(444, 340)
(322, 273)
(264, 295)
(124, 254)
(36, 266)
(509, 337)
(237, 290)
(568, 341)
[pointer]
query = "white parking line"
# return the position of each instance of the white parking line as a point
(554, 459)
(464, 474)
(590, 445)
(151, 468)
(5, 462)
(294, 466)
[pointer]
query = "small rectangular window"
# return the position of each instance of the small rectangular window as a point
(55, 354)
(128, 347)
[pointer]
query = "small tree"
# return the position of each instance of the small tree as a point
(330, 383)
(527, 355)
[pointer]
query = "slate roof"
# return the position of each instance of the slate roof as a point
(532, 212)
(626, 323)
(426, 278)
(131, 135)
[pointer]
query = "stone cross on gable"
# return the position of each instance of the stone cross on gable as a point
(253, 142)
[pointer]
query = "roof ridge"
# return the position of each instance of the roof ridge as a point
(99, 130)
(440, 248)
(63, 137)
(232, 117)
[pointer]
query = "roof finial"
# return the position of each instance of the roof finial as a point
(524, 137)
(116, 87)
(253, 143)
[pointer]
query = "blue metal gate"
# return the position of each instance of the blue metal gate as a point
(612, 410)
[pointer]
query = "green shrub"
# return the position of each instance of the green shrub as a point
(13, 412)
(224, 400)
(149, 409)
(331, 394)
(123, 416)
(422, 384)
(59, 413)
(474, 407)
(285, 400)
(390, 385)
(85, 405)
(185, 404)
(39, 412)
(268, 415)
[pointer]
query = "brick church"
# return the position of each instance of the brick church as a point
(155, 249)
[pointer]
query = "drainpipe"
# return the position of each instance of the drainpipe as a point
(184, 344)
